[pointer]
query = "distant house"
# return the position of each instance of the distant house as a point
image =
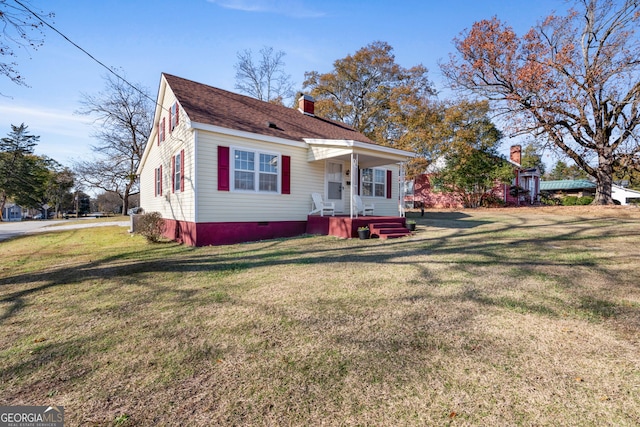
(11, 212)
(224, 168)
(568, 187)
(586, 188)
(420, 191)
(624, 195)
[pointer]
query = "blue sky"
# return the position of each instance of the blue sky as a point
(199, 39)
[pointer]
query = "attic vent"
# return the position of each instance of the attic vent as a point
(272, 125)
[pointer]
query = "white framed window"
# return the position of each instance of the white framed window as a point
(374, 182)
(161, 136)
(158, 180)
(173, 116)
(178, 170)
(255, 171)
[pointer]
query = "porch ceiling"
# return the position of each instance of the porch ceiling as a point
(369, 155)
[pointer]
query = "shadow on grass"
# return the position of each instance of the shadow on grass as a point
(455, 220)
(466, 249)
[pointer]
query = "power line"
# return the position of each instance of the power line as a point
(109, 69)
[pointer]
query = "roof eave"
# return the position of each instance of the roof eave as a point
(360, 145)
(248, 135)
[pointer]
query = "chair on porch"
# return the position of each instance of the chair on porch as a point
(320, 206)
(361, 207)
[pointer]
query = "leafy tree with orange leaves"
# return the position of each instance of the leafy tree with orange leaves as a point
(373, 94)
(574, 80)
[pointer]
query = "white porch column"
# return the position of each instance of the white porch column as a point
(401, 192)
(354, 170)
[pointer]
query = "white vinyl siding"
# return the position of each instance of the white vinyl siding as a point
(238, 206)
(178, 205)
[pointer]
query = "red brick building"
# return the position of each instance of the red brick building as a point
(420, 191)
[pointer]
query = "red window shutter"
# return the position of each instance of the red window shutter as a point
(177, 113)
(286, 174)
(173, 174)
(158, 133)
(160, 177)
(358, 181)
(389, 188)
(163, 129)
(181, 170)
(223, 168)
(170, 118)
(155, 180)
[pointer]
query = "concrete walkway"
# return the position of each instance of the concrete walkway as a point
(9, 230)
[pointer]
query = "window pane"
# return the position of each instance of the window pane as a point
(367, 189)
(380, 176)
(244, 180)
(244, 160)
(380, 190)
(268, 163)
(174, 116)
(176, 182)
(335, 191)
(367, 175)
(335, 172)
(268, 182)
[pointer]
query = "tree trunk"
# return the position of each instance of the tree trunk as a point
(604, 182)
(125, 196)
(3, 201)
(125, 201)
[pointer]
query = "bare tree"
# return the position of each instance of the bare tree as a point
(18, 24)
(574, 80)
(265, 80)
(123, 118)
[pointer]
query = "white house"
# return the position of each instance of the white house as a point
(223, 168)
(624, 195)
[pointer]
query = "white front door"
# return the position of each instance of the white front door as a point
(335, 184)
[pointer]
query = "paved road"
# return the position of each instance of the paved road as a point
(18, 228)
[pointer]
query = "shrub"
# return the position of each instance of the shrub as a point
(547, 198)
(492, 201)
(584, 200)
(570, 201)
(151, 226)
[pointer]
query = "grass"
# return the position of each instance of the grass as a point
(488, 317)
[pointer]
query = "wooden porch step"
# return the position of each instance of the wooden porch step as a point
(388, 230)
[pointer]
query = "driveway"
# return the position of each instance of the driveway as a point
(18, 228)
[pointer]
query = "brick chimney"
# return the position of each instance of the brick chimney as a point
(306, 105)
(516, 154)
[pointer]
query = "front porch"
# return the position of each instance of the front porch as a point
(347, 227)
